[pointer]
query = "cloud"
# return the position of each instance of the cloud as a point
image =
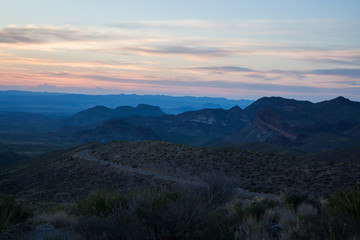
(351, 61)
(170, 25)
(43, 34)
(52, 88)
(76, 82)
(235, 56)
(254, 26)
(182, 50)
(112, 65)
(178, 82)
(274, 74)
(352, 73)
(222, 69)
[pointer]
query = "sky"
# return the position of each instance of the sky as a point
(242, 49)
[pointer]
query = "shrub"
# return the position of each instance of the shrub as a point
(295, 199)
(258, 208)
(100, 203)
(346, 202)
(57, 219)
(219, 226)
(12, 216)
(219, 189)
(171, 215)
(306, 210)
(149, 214)
(250, 229)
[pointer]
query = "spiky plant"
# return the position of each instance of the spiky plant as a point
(12, 216)
(347, 201)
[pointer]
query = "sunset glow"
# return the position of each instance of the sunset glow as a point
(314, 55)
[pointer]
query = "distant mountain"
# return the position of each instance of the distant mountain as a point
(274, 123)
(115, 129)
(195, 127)
(62, 104)
(101, 113)
(301, 124)
(298, 125)
(279, 105)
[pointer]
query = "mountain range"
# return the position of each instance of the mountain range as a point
(63, 104)
(274, 123)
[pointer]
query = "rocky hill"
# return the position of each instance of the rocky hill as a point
(69, 176)
(101, 113)
(253, 170)
(297, 125)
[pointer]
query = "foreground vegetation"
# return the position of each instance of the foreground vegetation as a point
(68, 205)
(13, 216)
(193, 214)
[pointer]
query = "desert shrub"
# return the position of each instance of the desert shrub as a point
(295, 199)
(236, 211)
(346, 202)
(250, 229)
(57, 219)
(172, 215)
(219, 225)
(219, 189)
(187, 214)
(100, 203)
(258, 208)
(149, 214)
(12, 216)
(325, 225)
(271, 215)
(307, 210)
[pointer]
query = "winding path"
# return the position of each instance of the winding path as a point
(85, 155)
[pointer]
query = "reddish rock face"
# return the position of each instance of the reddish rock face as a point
(270, 121)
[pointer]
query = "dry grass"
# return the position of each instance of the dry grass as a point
(57, 219)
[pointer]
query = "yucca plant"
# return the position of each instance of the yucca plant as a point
(12, 215)
(347, 201)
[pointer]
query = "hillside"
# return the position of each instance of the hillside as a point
(60, 176)
(8, 158)
(252, 170)
(69, 176)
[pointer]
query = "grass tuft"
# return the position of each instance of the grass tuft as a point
(347, 201)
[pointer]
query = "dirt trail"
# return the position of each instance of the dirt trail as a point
(85, 155)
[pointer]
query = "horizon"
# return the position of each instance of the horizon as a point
(235, 50)
(180, 96)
